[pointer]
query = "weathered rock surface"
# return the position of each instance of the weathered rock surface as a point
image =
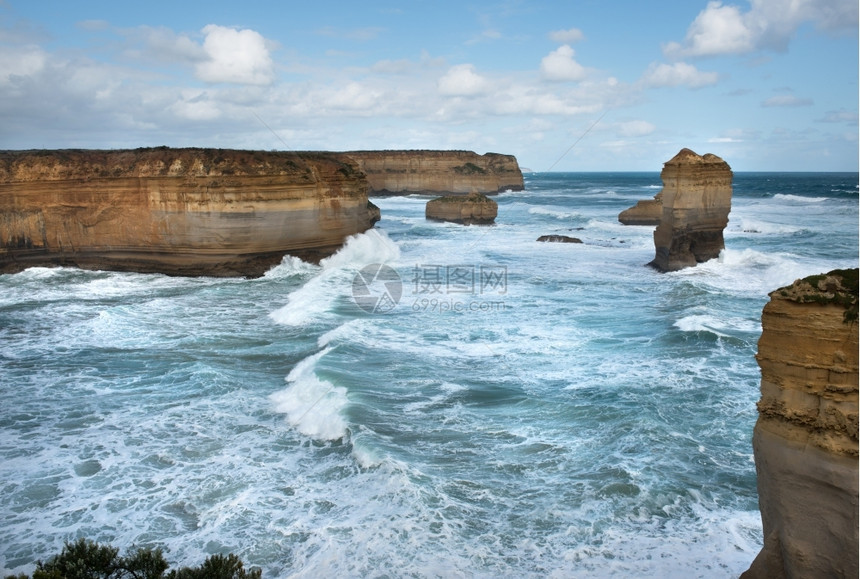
(805, 439)
(559, 239)
(435, 172)
(696, 200)
(645, 212)
(473, 209)
(177, 211)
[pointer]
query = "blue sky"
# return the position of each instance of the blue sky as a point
(769, 85)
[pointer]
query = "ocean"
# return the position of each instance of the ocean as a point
(434, 400)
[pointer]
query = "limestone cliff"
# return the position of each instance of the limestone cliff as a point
(176, 211)
(645, 212)
(435, 172)
(696, 200)
(805, 440)
(472, 209)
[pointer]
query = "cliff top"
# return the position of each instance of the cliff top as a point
(61, 164)
(688, 157)
(838, 287)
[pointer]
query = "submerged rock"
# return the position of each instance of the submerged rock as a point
(805, 440)
(472, 209)
(696, 201)
(559, 239)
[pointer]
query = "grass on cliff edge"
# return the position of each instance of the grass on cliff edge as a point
(838, 287)
(86, 559)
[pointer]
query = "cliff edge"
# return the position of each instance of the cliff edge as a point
(435, 172)
(177, 211)
(805, 440)
(696, 201)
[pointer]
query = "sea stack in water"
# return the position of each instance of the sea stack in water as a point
(696, 200)
(177, 211)
(805, 439)
(473, 209)
(645, 212)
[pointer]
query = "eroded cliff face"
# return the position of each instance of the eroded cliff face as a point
(471, 209)
(805, 440)
(696, 200)
(435, 172)
(176, 211)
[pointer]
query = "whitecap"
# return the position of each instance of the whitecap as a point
(798, 198)
(313, 406)
(317, 297)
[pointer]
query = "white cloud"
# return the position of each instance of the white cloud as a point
(678, 74)
(769, 24)
(787, 101)
(22, 62)
(235, 56)
(636, 128)
(568, 36)
(462, 80)
(559, 65)
(840, 116)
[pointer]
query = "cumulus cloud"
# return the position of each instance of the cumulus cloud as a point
(678, 74)
(787, 101)
(235, 56)
(21, 62)
(568, 36)
(768, 24)
(462, 80)
(559, 65)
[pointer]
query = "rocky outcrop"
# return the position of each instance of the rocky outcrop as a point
(696, 200)
(645, 212)
(558, 239)
(177, 211)
(473, 209)
(805, 439)
(438, 172)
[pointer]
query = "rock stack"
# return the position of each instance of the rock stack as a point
(696, 200)
(805, 439)
(473, 209)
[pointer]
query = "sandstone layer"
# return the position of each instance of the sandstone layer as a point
(645, 212)
(805, 440)
(435, 172)
(176, 211)
(473, 209)
(696, 200)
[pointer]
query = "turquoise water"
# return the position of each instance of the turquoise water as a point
(524, 410)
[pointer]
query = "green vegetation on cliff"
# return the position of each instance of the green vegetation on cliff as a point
(838, 287)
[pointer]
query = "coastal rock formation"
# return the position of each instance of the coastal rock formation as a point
(696, 200)
(435, 172)
(645, 212)
(805, 439)
(177, 211)
(473, 209)
(559, 239)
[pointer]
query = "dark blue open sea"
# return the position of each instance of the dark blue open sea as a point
(506, 408)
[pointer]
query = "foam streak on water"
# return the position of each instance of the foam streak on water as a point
(588, 417)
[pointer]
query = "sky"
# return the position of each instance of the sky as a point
(576, 85)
